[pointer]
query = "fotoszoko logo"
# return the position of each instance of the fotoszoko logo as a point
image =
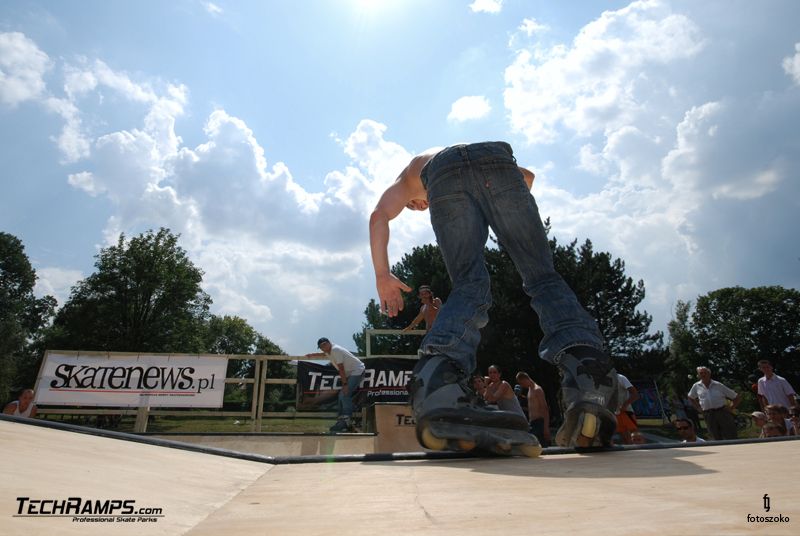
(780, 518)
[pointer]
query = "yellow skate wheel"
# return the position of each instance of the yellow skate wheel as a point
(466, 445)
(531, 451)
(431, 441)
(589, 430)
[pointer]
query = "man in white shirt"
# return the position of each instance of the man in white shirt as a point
(351, 371)
(774, 389)
(710, 397)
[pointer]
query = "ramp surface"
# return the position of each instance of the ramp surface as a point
(697, 490)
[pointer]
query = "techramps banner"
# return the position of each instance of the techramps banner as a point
(384, 381)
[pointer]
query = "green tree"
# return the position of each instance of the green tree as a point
(22, 317)
(512, 336)
(683, 358)
(423, 266)
(735, 327)
(232, 335)
(145, 295)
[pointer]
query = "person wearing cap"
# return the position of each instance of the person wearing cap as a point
(710, 397)
(351, 371)
(428, 311)
(759, 420)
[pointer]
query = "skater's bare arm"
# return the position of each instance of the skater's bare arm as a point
(392, 202)
(528, 176)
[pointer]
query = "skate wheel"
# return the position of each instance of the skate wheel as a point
(589, 430)
(531, 451)
(503, 448)
(431, 441)
(466, 445)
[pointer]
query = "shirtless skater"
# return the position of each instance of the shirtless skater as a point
(469, 188)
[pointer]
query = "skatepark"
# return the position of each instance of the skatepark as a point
(705, 489)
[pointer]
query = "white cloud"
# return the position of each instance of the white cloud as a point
(594, 83)
(469, 108)
(791, 65)
(486, 6)
(22, 69)
(213, 8)
(72, 142)
(532, 26)
(56, 282)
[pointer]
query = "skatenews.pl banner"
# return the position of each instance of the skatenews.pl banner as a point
(125, 380)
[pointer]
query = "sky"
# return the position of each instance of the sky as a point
(263, 132)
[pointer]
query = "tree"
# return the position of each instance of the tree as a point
(233, 335)
(22, 316)
(735, 327)
(683, 358)
(423, 266)
(144, 296)
(511, 338)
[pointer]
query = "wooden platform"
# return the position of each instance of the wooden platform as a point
(682, 491)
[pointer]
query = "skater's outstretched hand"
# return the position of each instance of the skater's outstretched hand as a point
(389, 292)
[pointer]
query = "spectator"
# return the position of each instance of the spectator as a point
(23, 406)
(499, 392)
(794, 418)
(774, 429)
(428, 311)
(637, 438)
(478, 383)
(780, 415)
(350, 370)
(709, 396)
(626, 418)
(774, 389)
(686, 431)
(759, 420)
(538, 410)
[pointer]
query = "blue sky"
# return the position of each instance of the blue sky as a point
(264, 131)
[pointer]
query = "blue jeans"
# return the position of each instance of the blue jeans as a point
(346, 400)
(470, 188)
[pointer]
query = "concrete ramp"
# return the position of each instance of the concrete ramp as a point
(710, 489)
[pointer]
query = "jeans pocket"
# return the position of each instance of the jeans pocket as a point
(499, 177)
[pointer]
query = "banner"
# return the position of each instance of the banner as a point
(384, 380)
(649, 403)
(129, 380)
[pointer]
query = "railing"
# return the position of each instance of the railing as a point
(260, 382)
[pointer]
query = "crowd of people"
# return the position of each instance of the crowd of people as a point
(779, 415)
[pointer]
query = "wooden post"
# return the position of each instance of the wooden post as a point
(142, 415)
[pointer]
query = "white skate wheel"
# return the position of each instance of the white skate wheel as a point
(466, 445)
(531, 451)
(431, 441)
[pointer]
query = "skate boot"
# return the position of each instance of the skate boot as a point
(450, 416)
(589, 391)
(342, 425)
